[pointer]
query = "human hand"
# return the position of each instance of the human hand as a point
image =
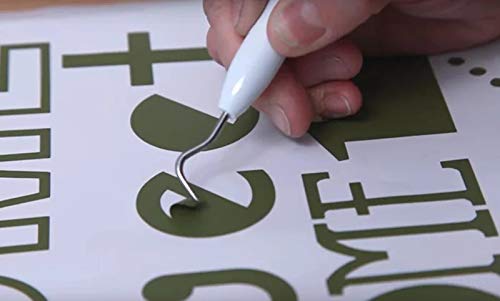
(325, 40)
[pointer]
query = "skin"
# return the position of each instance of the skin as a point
(325, 41)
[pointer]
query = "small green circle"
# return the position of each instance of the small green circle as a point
(478, 71)
(456, 61)
(495, 82)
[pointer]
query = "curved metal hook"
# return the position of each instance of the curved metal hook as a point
(179, 164)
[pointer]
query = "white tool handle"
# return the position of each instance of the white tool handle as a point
(252, 69)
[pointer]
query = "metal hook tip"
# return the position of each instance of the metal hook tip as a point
(179, 164)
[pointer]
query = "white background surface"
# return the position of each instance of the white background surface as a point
(100, 249)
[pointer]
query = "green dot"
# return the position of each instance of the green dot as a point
(456, 61)
(495, 82)
(478, 71)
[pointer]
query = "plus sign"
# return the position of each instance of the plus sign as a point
(140, 58)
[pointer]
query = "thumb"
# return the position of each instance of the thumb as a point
(299, 27)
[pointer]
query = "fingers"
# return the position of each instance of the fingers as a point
(335, 99)
(299, 27)
(218, 11)
(241, 14)
(222, 39)
(292, 108)
(246, 14)
(212, 45)
(287, 103)
(339, 61)
(327, 73)
(230, 21)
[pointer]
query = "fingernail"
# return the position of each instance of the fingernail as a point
(237, 9)
(299, 23)
(279, 118)
(336, 106)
